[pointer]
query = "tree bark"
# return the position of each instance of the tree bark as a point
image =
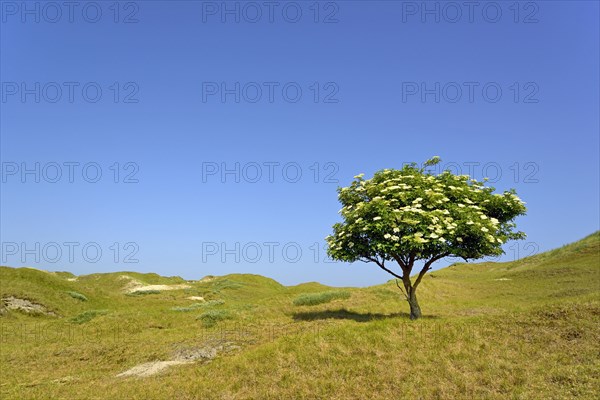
(415, 310)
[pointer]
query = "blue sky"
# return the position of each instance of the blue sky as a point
(177, 100)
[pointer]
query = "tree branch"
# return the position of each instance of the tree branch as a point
(403, 292)
(406, 268)
(426, 268)
(382, 266)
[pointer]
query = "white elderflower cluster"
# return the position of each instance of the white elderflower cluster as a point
(419, 211)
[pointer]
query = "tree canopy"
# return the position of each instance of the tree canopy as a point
(410, 214)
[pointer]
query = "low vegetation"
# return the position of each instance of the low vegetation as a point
(87, 316)
(195, 306)
(191, 307)
(312, 299)
(77, 296)
(143, 292)
(514, 330)
(211, 317)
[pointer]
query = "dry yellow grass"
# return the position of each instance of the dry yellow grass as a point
(521, 330)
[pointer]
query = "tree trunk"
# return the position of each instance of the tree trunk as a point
(415, 310)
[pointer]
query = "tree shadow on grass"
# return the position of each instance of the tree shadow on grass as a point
(351, 315)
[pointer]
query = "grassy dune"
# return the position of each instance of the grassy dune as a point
(517, 330)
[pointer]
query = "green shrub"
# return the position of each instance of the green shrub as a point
(195, 306)
(87, 316)
(312, 299)
(212, 303)
(211, 317)
(77, 296)
(191, 307)
(225, 284)
(143, 292)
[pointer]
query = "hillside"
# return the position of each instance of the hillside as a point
(523, 329)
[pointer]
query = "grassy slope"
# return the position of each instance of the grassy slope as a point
(524, 329)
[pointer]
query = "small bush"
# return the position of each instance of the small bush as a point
(195, 306)
(312, 299)
(225, 284)
(211, 317)
(191, 307)
(77, 296)
(182, 309)
(212, 303)
(87, 316)
(143, 292)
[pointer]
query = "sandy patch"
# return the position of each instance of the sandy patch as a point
(136, 286)
(503, 279)
(24, 305)
(158, 287)
(150, 368)
(200, 298)
(181, 356)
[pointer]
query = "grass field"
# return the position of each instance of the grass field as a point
(527, 329)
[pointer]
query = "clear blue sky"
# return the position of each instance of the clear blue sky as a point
(381, 83)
